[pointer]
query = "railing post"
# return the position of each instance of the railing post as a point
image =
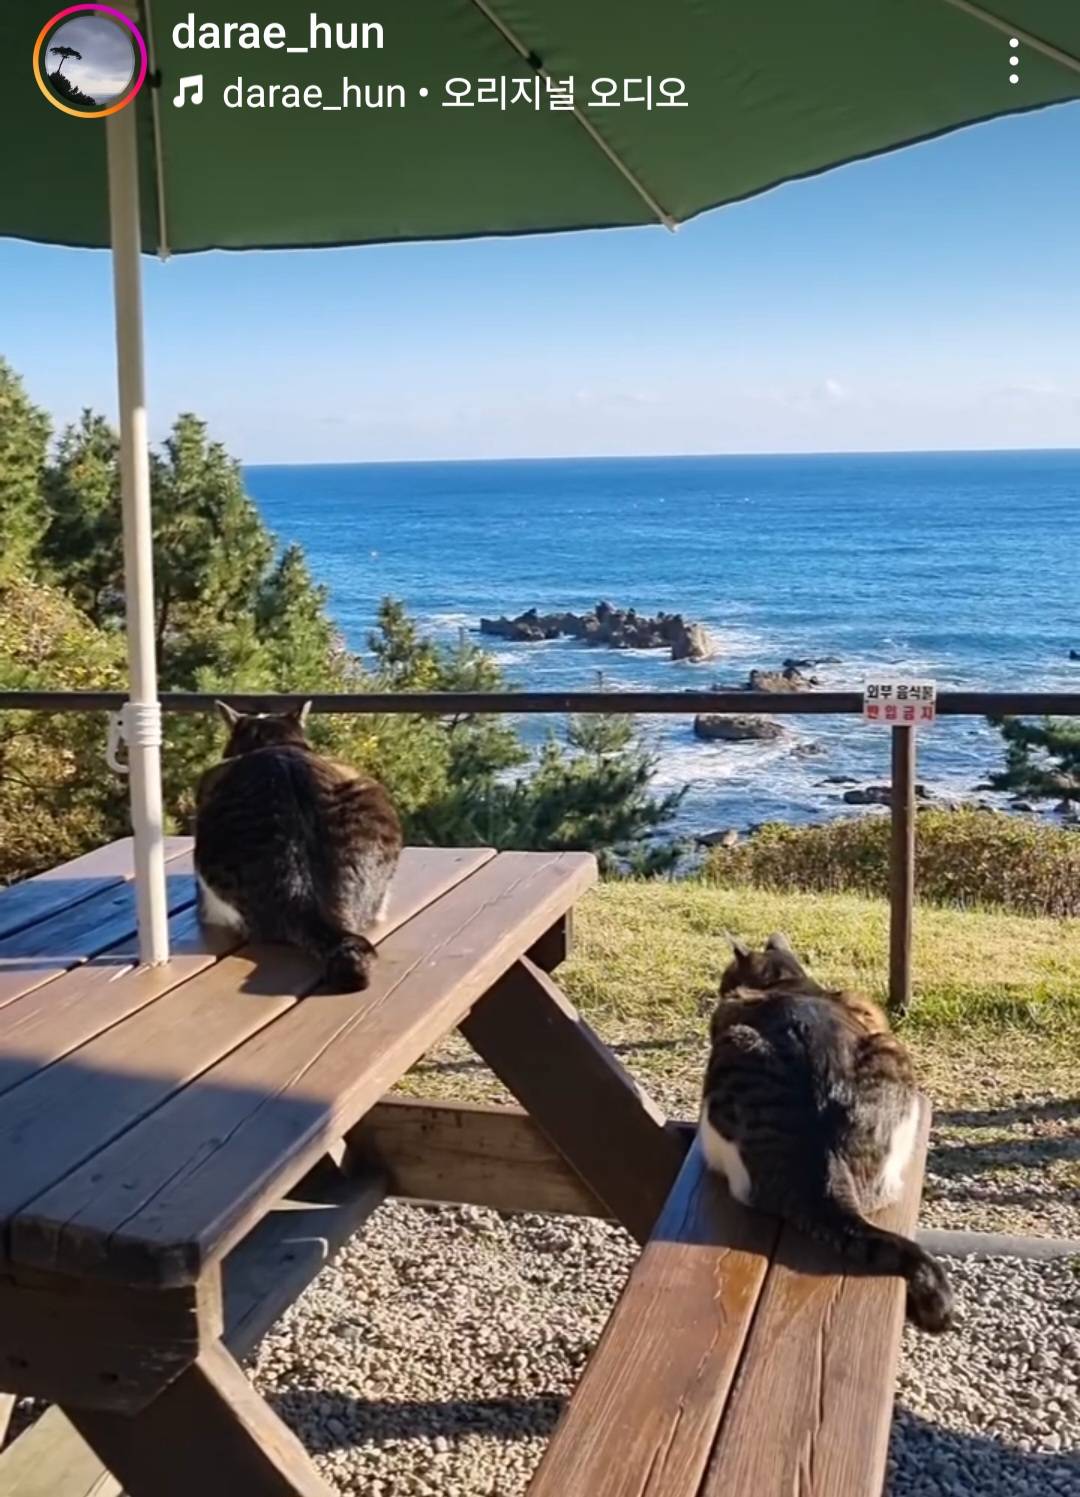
(901, 868)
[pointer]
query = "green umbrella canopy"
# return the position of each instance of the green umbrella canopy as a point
(776, 89)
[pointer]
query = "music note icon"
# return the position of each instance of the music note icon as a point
(195, 84)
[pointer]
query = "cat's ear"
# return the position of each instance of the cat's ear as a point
(740, 948)
(229, 714)
(779, 942)
(300, 714)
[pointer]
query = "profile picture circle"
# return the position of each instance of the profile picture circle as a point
(90, 60)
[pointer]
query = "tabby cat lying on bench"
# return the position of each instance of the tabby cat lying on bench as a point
(810, 1111)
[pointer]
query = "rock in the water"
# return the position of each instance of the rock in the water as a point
(690, 641)
(1074, 654)
(615, 628)
(808, 750)
(528, 627)
(716, 725)
(880, 795)
(726, 837)
(788, 679)
(840, 779)
(792, 663)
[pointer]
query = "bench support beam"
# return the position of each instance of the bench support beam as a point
(579, 1095)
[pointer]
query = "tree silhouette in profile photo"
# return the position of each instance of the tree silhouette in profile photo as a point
(63, 85)
(64, 53)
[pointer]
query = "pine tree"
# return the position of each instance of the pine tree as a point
(236, 615)
(24, 437)
(1041, 759)
(83, 546)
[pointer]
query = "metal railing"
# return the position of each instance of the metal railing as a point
(640, 703)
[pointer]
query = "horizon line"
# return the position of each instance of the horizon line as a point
(658, 457)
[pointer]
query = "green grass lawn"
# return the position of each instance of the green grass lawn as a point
(652, 953)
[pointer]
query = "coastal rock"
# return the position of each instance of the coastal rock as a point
(528, 627)
(718, 726)
(690, 641)
(1074, 654)
(794, 664)
(808, 750)
(725, 837)
(608, 626)
(880, 795)
(787, 679)
(840, 779)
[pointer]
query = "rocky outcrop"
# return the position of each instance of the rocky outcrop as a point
(880, 795)
(725, 837)
(725, 729)
(787, 679)
(793, 664)
(690, 641)
(1074, 654)
(615, 628)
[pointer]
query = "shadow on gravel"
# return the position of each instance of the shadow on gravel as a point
(1006, 1152)
(928, 1461)
(1057, 1108)
(375, 1421)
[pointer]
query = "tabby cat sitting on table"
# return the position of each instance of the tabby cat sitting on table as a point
(293, 846)
(811, 1112)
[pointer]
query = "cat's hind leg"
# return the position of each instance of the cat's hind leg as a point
(216, 911)
(723, 1157)
(890, 1183)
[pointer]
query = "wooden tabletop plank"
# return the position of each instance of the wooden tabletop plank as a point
(35, 899)
(812, 1406)
(185, 1185)
(58, 1119)
(34, 956)
(51, 1021)
(644, 1416)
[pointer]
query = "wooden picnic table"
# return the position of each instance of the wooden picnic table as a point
(153, 1121)
(184, 1147)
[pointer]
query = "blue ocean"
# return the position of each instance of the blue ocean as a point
(964, 567)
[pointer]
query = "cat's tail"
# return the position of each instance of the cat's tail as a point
(878, 1251)
(348, 965)
(346, 956)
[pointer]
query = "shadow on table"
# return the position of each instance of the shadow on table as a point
(926, 1460)
(375, 1421)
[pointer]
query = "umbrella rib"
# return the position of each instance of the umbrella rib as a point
(159, 155)
(661, 213)
(1009, 28)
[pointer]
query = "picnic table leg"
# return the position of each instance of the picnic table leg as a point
(7, 1408)
(555, 945)
(210, 1434)
(578, 1093)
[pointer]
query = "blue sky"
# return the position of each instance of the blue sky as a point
(926, 299)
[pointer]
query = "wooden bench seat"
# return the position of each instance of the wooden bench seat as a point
(740, 1361)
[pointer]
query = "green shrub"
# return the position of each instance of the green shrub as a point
(965, 857)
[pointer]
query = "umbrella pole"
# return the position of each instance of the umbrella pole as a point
(142, 714)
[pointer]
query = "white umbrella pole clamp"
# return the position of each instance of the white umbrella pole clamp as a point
(140, 719)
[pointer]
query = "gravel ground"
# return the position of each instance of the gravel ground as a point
(432, 1358)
